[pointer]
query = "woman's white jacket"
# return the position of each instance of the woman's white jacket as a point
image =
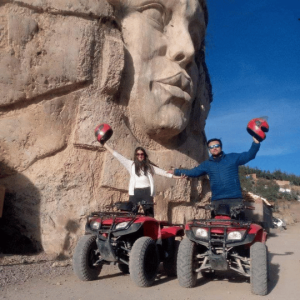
(130, 167)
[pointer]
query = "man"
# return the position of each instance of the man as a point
(223, 172)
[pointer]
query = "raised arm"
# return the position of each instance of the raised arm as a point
(108, 148)
(249, 155)
(161, 172)
(127, 163)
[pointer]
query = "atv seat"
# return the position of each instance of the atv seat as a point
(163, 223)
(171, 232)
(124, 206)
(223, 210)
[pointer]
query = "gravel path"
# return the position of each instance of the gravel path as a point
(16, 270)
(49, 280)
(41, 277)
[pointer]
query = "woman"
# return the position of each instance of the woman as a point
(141, 170)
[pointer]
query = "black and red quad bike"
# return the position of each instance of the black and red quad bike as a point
(133, 240)
(224, 243)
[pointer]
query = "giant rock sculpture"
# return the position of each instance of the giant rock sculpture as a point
(67, 66)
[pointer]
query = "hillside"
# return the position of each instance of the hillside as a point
(280, 189)
(276, 175)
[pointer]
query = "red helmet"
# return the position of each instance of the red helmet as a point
(103, 133)
(257, 128)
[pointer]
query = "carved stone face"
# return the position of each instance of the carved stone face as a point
(162, 37)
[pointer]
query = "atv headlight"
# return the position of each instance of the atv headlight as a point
(200, 232)
(235, 235)
(95, 225)
(122, 225)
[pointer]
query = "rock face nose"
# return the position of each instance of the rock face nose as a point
(66, 67)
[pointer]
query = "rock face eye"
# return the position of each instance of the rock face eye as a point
(155, 13)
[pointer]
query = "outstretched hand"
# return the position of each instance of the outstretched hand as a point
(182, 176)
(255, 140)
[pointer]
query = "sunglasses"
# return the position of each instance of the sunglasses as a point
(140, 154)
(214, 146)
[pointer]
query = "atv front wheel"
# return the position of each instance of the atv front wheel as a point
(259, 269)
(187, 263)
(143, 262)
(85, 255)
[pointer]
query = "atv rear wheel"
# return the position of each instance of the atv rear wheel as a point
(143, 262)
(170, 263)
(123, 268)
(187, 263)
(85, 255)
(259, 269)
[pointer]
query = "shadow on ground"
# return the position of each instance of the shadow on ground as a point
(274, 269)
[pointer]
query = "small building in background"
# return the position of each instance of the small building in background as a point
(262, 213)
(284, 186)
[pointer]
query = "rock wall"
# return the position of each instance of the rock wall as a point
(65, 67)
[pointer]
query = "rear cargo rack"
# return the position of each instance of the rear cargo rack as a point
(113, 213)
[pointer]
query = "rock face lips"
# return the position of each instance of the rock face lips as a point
(65, 67)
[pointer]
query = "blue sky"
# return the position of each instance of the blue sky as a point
(253, 57)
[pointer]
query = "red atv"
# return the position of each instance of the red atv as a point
(134, 241)
(224, 243)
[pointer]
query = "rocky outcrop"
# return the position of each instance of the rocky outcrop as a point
(65, 67)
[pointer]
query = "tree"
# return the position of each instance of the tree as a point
(268, 189)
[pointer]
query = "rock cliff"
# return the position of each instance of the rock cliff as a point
(65, 67)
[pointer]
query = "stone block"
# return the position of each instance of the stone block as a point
(36, 132)
(112, 65)
(97, 8)
(3, 31)
(52, 54)
(21, 30)
(183, 213)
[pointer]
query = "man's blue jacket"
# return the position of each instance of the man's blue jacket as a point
(223, 173)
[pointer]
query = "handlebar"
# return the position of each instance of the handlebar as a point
(237, 207)
(145, 203)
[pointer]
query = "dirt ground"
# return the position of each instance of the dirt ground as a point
(39, 277)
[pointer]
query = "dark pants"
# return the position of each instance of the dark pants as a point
(231, 203)
(143, 195)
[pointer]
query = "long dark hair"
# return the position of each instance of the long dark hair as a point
(144, 165)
